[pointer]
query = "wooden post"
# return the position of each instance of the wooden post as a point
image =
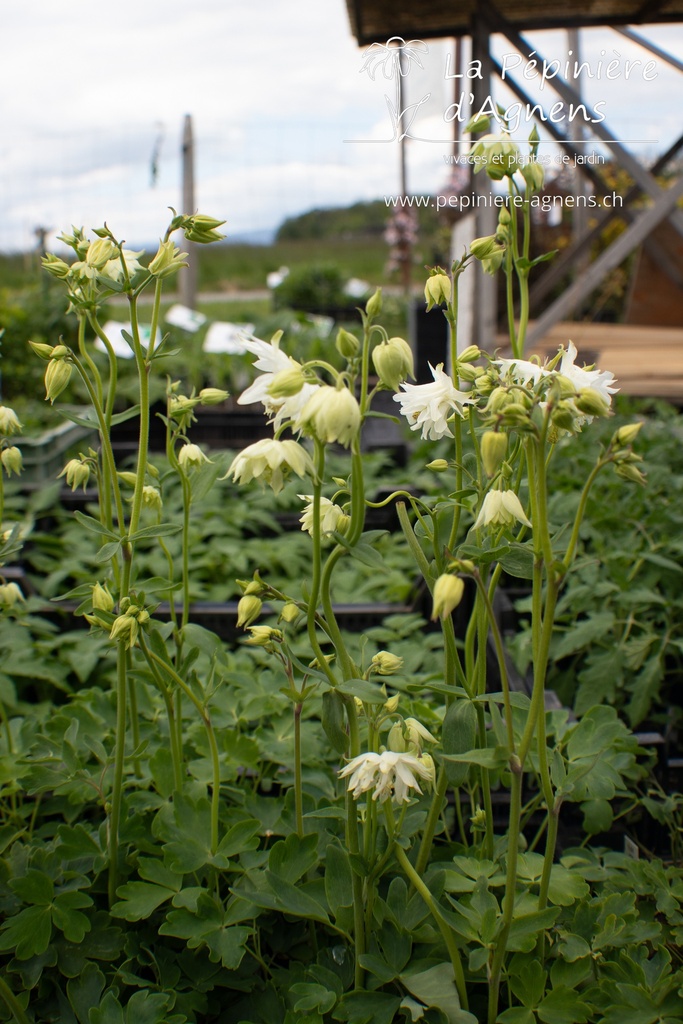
(188, 278)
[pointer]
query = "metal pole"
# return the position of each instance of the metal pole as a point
(188, 279)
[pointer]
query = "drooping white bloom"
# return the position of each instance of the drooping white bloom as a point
(601, 381)
(390, 774)
(332, 516)
(427, 407)
(270, 459)
(521, 371)
(271, 361)
(501, 508)
(332, 414)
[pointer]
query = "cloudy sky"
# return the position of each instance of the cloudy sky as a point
(276, 91)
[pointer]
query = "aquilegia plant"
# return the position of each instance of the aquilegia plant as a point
(307, 830)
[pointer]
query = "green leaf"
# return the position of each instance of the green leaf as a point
(240, 838)
(107, 551)
(34, 887)
(519, 562)
(333, 721)
(295, 900)
(85, 991)
(338, 878)
(310, 996)
(368, 1008)
(564, 1006)
(139, 900)
(28, 934)
(584, 633)
(66, 914)
(292, 857)
(435, 987)
(95, 525)
(160, 530)
(488, 757)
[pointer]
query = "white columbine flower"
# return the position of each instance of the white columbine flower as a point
(332, 517)
(271, 361)
(521, 371)
(113, 269)
(428, 406)
(598, 380)
(388, 774)
(270, 459)
(501, 508)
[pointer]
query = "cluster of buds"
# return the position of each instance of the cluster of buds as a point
(77, 471)
(489, 251)
(250, 604)
(624, 459)
(437, 288)
(126, 626)
(198, 227)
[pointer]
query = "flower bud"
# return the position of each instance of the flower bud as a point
(191, 456)
(447, 595)
(396, 740)
(77, 473)
(44, 351)
(127, 477)
(470, 354)
(213, 396)
(386, 664)
(11, 460)
(485, 247)
(392, 704)
(179, 405)
(9, 421)
(286, 383)
(262, 636)
(626, 435)
(437, 465)
(373, 307)
(55, 266)
(10, 594)
(202, 229)
(591, 403)
(630, 472)
(533, 175)
(347, 344)
(393, 362)
(125, 628)
(427, 762)
(57, 376)
(102, 601)
(167, 261)
(494, 446)
(331, 414)
(151, 498)
(248, 610)
(437, 289)
(290, 612)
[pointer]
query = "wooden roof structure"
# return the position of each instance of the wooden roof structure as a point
(373, 20)
(651, 212)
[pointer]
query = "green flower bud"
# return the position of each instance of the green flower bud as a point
(437, 289)
(44, 351)
(202, 229)
(264, 636)
(168, 260)
(77, 473)
(437, 465)
(386, 664)
(102, 601)
(125, 629)
(57, 376)
(9, 421)
(494, 446)
(447, 595)
(630, 472)
(626, 435)
(151, 498)
(347, 344)
(591, 403)
(393, 362)
(128, 478)
(55, 266)
(373, 307)
(290, 612)
(12, 461)
(470, 354)
(485, 247)
(191, 456)
(213, 396)
(248, 610)
(533, 175)
(10, 595)
(286, 383)
(331, 414)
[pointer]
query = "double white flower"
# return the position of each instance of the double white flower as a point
(271, 361)
(389, 774)
(427, 407)
(270, 459)
(529, 374)
(501, 508)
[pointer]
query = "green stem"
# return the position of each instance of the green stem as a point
(119, 756)
(510, 891)
(12, 1003)
(298, 785)
(441, 923)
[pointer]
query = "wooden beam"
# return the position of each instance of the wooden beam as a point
(585, 283)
